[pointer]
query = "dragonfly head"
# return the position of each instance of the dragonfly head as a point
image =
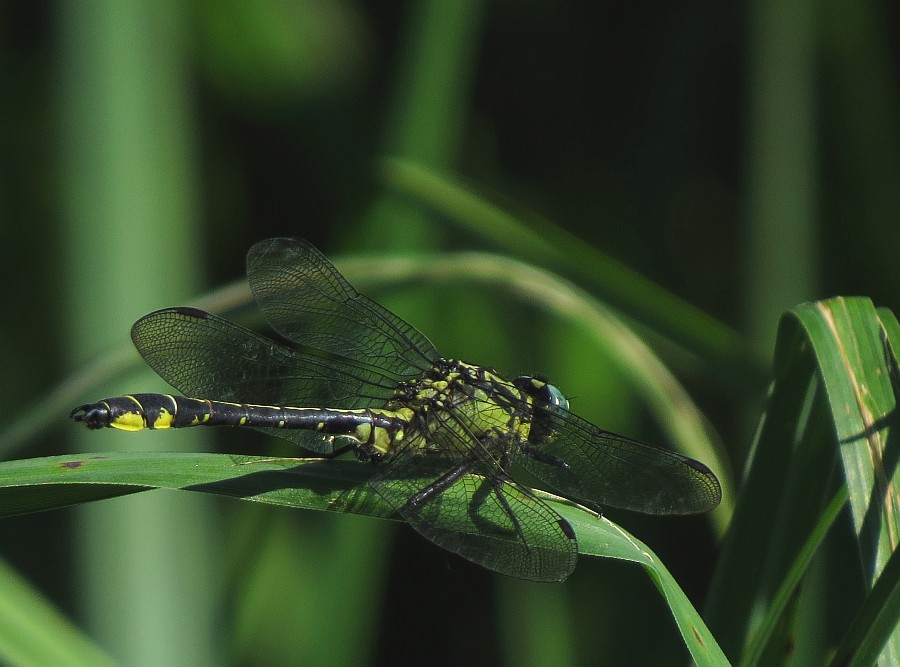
(557, 398)
(541, 391)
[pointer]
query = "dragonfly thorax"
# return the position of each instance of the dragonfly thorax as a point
(454, 401)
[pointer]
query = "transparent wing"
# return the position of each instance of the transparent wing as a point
(608, 469)
(206, 356)
(306, 300)
(486, 519)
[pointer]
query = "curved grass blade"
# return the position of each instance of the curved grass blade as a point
(598, 536)
(834, 391)
(756, 645)
(850, 335)
(875, 622)
(29, 485)
(541, 241)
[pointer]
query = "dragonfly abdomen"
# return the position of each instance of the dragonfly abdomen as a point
(136, 412)
(376, 428)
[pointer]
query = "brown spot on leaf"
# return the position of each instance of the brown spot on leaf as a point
(697, 636)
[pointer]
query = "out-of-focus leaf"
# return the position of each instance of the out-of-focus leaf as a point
(33, 633)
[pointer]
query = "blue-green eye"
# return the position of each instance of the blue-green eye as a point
(542, 391)
(556, 397)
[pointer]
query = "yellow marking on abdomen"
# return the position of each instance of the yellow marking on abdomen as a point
(129, 421)
(164, 420)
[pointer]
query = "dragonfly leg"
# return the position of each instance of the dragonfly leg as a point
(541, 456)
(497, 483)
(439, 485)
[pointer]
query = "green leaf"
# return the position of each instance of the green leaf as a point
(875, 622)
(855, 346)
(832, 399)
(766, 629)
(29, 485)
(598, 536)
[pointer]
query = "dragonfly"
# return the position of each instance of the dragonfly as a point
(447, 436)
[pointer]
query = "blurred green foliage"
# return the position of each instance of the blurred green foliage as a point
(734, 159)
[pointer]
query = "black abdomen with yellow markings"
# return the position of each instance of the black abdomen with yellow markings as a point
(446, 433)
(374, 430)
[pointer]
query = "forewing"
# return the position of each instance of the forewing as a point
(482, 516)
(306, 300)
(205, 356)
(606, 469)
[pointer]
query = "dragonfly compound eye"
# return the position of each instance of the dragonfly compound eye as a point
(546, 394)
(556, 397)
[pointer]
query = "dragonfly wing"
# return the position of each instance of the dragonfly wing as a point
(306, 300)
(603, 468)
(205, 356)
(478, 513)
